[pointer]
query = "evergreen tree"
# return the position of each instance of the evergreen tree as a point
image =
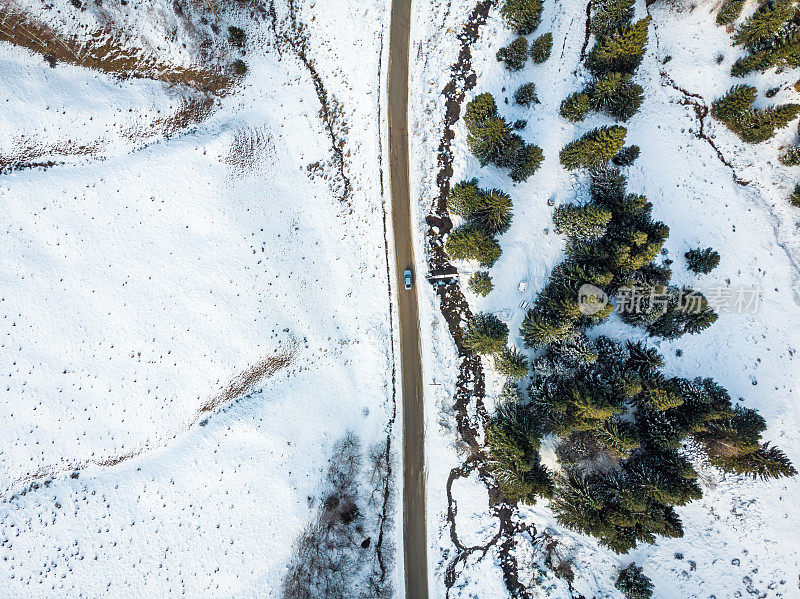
(464, 198)
(493, 212)
(729, 12)
(791, 157)
(616, 95)
(702, 260)
(794, 198)
(594, 149)
(581, 222)
(541, 48)
(527, 161)
(609, 15)
(491, 142)
(621, 50)
(480, 283)
(626, 156)
(479, 111)
(511, 363)
(485, 334)
(730, 107)
(523, 16)
(633, 583)
(764, 24)
(471, 243)
(526, 95)
(514, 55)
(575, 107)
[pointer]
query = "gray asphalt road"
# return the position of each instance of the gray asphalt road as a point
(414, 530)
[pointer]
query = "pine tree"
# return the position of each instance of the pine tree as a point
(616, 95)
(702, 260)
(471, 243)
(511, 363)
(485, 334)
(493, 212)
(626, 156)
(464, 198)
(794, 198)
(514, 55)
(729, 12)
(541, 48)
(633, 583)
(523, 16)
(609, 15)
(621, 50)
(479, 110)
(527, 161)
(581, 222)
(594, 149)
(575, 107)
(526, 95)
(764, 24)
(491, 141)
(736, 101)
(480, 283)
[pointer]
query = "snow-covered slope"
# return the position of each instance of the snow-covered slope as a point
(739, 539)
(146, 280)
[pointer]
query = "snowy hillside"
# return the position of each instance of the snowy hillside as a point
(195, 295)
(739, 539)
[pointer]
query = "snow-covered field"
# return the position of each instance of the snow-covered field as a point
(740, 539)
(146, 279)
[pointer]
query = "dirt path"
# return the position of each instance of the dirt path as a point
(414, 529)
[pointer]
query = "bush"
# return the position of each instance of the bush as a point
(791, 157)
(471, 243)
(541, 48)
(514, 55)
(523, 16)
(594, 149)
(729, 12)
(239, 67)
(485, 334)
(621, 50)
(581, 222)
(236, 36)
(702, 260)
(633, 583)
(480, 283)
(626, 156)
(526, 95)
(575, 107)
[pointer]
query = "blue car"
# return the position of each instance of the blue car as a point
(407, 278)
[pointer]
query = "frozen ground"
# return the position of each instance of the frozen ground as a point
(740, 538)
(146, 279)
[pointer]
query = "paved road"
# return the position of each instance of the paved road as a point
(414, 530)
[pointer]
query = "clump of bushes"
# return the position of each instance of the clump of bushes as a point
(614, 94)
(236, 36)
(491, 140)
(487, 212)
(621, 50)
(610, 15)
(702, 261)
(514, 55)
(541, 48)
(752, 125)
